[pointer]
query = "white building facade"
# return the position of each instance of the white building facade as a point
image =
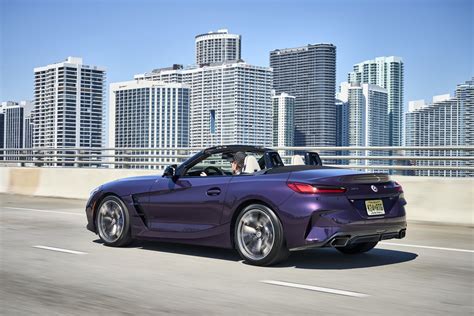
(283, 120)
(149, 114)
(69, 105)
(230, 102)
(217, 47)
(388, 73)
(446, 121)
(368, 117)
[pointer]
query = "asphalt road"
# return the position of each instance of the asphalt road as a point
(429, 272)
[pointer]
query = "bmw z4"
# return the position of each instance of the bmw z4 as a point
(244, 197)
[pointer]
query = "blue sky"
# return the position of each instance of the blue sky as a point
(435, 38)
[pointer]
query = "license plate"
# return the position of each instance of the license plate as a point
(374, 207)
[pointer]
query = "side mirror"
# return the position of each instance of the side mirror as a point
(169, 171)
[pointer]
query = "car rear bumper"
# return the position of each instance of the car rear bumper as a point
(355, 232)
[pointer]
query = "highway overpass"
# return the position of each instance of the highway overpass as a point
(50, 264)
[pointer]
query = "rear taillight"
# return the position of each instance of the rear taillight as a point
(306, 188)
(397, 186)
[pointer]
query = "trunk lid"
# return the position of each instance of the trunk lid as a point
(360, 187)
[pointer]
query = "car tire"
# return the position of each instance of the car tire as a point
(357, 248)
(113, 222)
(259, 237)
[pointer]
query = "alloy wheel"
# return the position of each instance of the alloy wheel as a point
(111, 221)
(255, 234)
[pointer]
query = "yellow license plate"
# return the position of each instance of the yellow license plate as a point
(374, 207)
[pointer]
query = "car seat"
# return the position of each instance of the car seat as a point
(297, 160)
(250, 165)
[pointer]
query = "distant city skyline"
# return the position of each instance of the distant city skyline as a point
(99, 37)
(446, 121)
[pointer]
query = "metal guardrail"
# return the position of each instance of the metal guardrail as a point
(452, 158)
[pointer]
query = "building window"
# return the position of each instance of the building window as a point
(213, 121)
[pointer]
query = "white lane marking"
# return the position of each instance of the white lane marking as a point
(427, 247)
(60, 250)
(315, 288)
(43, 211)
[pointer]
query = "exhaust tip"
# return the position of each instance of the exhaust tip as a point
(340, 241)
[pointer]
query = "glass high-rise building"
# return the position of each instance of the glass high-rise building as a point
(69, 105)
(14, 122)
(17, 128)
(309, 74)
(388, 73)
(447, 121)
(217, 47)
(149, 114)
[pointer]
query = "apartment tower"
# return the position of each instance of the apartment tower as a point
(309, 74)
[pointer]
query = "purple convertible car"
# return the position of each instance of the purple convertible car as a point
(244, 197)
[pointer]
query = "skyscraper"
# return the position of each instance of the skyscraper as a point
(465, 97)
(283, 120)
(388, 73)
(447, 121)
(149, 114)
(368, 117)
(14, 116)
(230, 100)
(217, 47)
(309, 74)
(230, 104)
(17, 126)
(69, 105)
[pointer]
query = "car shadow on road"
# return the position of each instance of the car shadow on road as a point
(193, 250)
(331, 259)
(184, 249)
(319, 259)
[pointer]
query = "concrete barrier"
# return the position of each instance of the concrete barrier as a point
(433, 199)
(75, 183)
(438, 199)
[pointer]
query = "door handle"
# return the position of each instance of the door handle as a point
(213, 191)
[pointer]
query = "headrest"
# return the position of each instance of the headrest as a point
(297, 160)
(250, 165)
